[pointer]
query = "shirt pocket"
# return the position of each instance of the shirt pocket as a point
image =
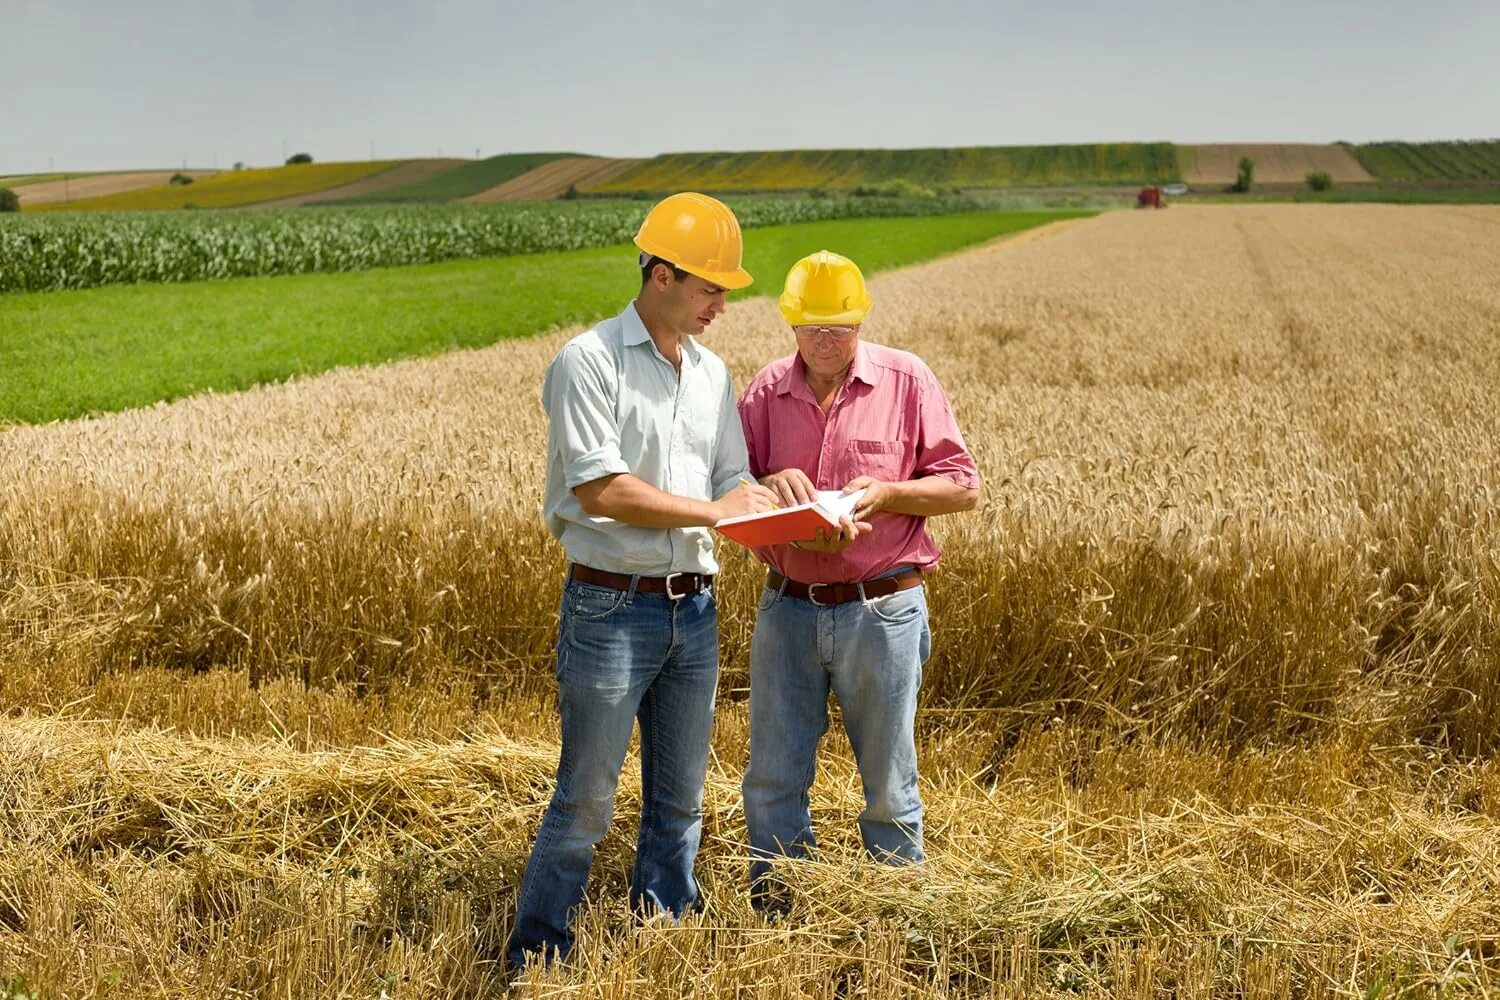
(884, 460)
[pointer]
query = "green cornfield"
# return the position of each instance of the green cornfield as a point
(46, 253)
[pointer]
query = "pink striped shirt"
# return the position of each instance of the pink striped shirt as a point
(890, 420)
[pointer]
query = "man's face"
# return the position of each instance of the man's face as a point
(828, 351)
(691, 304)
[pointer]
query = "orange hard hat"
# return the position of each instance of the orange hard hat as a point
(825, 287)
(697, 233)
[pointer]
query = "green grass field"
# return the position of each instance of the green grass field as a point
(471, 178)
(71, 353)
(1420, 161)
(969, 167)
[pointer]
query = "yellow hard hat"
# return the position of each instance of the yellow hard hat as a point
(825, 288)
(697, 233)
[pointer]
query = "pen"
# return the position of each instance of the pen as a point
(774, 505)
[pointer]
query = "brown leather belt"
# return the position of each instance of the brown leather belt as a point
(674, 585)
(843, 593)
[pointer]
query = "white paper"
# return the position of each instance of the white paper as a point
(836, 505)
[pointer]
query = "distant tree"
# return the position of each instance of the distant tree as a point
(299, 158)
(180, 179)
(1246, 176)
(9, 200)
(239, 165)
(1319, 180)
(571, 194)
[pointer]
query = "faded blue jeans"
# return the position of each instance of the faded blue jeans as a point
(870, 653)
(623, 658)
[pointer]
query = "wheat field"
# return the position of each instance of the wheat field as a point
(1212, 709)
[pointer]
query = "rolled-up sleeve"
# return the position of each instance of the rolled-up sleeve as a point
(731, 461)
(940, 445)
(579, 394)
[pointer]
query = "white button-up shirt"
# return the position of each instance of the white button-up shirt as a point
(615, 405)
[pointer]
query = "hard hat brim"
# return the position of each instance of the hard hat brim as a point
(738, 278)
(801, 317)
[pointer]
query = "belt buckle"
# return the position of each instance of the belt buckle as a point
(668, 583)
(812, 594)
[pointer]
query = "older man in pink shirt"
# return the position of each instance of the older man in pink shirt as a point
(845, 611)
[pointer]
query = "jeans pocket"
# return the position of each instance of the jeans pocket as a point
(900, 608)
(594, 604)
(768, 597)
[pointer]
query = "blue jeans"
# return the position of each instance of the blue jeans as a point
(623, 658)
(870, 653)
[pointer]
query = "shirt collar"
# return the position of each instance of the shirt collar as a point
(863, 368)
(794, 380)
(634, 333)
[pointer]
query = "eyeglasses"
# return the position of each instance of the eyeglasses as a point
(836, 332)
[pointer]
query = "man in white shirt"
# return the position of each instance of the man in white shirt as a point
(644, 435)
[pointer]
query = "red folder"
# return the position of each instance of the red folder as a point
(789, 524)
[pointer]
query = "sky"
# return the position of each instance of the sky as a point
(93, 85)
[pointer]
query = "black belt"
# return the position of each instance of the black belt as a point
(674, 585)
(843, 593)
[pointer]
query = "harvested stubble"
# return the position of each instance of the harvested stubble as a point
(196, 867)
(1213, 665)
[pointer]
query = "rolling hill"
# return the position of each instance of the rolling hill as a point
(552, 180)
(1368, 167)
(233, 188)
(472, 178)
(61, 190)
(964, 167)
(400, 176)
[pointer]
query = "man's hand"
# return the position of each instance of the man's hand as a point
(838, 539)
(746, 498)
(792, 487)
(878, 496)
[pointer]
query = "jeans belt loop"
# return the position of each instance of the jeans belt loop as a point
(781, 588)
(862, 598)
(635, 580)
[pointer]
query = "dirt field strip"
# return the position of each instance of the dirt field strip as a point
(553, 179)
(1275, 163)
(74, 189)
(398, 176)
